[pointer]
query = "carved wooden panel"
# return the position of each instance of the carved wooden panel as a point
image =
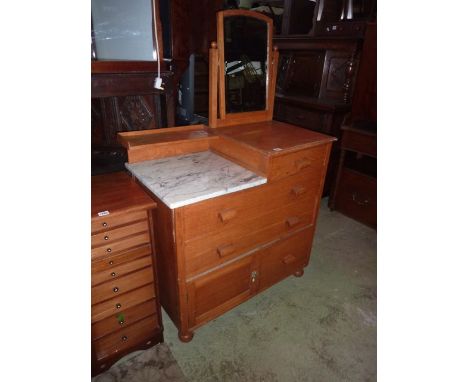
(334, 75)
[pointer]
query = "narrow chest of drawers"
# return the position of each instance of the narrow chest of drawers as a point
(125, 308)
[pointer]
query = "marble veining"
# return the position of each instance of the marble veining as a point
(190, 178)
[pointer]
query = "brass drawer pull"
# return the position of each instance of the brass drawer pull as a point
(124, 338)
(104, 224)
(111, 262)
(118, 305)
(225, 250)
(113, 274)
(116, 289)
(303, 163)
(292, 221)
(298, 190)
(109, 250)
(106, 237)
(288, 259)
(227, 215)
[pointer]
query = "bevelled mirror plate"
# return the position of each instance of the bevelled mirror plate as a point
(245, 63)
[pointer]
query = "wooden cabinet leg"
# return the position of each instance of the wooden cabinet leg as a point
(299, 273)
(185, 337)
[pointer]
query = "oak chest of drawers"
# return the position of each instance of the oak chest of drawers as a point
(213, 254)
(125, 311)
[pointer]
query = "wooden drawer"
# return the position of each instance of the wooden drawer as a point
(116, 271)
(106, 237)
(356, 196)
(285, 257)
(312, 159)
(242, 208)
(115, 259)
(110, 221)
(207, 252)
(126, 337)
(118, 304)
(121, 245)
(123, 319)
(358, 141)
(300, 117)
(220, 290)
(121, 285)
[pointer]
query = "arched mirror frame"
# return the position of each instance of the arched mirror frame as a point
(217, 115)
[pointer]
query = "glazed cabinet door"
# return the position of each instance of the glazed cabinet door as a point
(220, 290)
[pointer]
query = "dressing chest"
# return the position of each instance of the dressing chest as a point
(238, 199)
(125, 311)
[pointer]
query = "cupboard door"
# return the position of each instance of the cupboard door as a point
(222, 289)
(285, 257)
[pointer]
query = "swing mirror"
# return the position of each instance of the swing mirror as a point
(245, 66)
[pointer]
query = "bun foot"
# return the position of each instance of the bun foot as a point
(185, 337)
(299, 273)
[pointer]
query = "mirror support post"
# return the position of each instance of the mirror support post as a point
(272, 84)
(213, 85)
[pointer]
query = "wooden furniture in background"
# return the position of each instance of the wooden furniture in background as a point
(125, 311)
(355, 189)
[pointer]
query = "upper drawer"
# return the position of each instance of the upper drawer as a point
(312, 159)
(121, 285)
(243, 208)
(110, 221)
(109, 236)
(121, 245)
(119, 304)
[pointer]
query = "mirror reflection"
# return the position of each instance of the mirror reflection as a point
(245, 56)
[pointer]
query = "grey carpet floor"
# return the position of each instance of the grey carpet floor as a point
(156, 364)
(320, 327)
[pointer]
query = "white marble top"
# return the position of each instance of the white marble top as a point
(190, 178)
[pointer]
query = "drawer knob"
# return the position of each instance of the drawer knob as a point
(298, 190)
(116, 289)
(292, 221)
(124, 338)
(106, 237)
(104, 224)
(288, 259)
(303, 163)
(121, 322)
(227, 215)
(118, 305)
(109, 250)
(225, 250)
(113, 274)
(111, 262)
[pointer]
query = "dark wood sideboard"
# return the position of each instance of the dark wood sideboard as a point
(123, 98)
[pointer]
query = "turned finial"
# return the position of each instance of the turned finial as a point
(214, 45)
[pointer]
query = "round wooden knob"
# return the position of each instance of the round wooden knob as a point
(214, 44)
